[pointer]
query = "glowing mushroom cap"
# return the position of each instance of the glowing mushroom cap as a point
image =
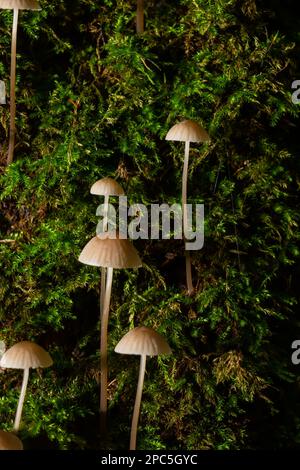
(107, 187)
(19, 4)
(24, 355)
(9, 441)
(143, 341)
(188, 131)
(110, 253)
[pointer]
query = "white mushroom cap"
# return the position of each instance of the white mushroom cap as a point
(107, 187)
(110, 253)
(9, 441)
(24, 355)
(19, 4)
(143, 341)
(188, 131)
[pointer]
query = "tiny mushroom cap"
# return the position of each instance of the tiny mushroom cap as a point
(143, 341)
(9, 441)
(107, 187)
(19, 5)
(110, 251)
(24, 355)
(188, 131)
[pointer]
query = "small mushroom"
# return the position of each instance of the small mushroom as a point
(24, 355)
(9, 441)
(110, 253)
(187, 131)
(140, 16)
(144, 342)
(105, 187)
(15, 5)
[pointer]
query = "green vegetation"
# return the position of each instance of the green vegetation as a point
(94, 100)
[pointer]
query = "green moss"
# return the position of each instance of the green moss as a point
(94, 99)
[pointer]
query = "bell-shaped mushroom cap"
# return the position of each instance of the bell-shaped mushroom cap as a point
(9, 441)
(188, 131)
(143, 341)
(110, 253)
(24, 355)
(107, 187)
(19, 4)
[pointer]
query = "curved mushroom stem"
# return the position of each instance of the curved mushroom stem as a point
(140, 17)
(185, 221)
(103, 351)
(12, 124)
(137, 404)
(21, 400)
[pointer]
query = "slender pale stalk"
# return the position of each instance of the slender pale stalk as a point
(137, 404)
(188, 265)
(21, 400)
(140, 17)
(102, 290)
(12, 124)
(103, 351)
(103, 270)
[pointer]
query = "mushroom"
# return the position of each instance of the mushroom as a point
(15, 5)
(187, 131)
(105, 187)
(9, 441)
(110, 253)
(144, 342)
(140, 16)
(24, 355)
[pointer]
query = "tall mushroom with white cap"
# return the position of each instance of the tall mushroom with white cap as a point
(187, 131)
(144, 342)
(15, 5)
(110, 253)
(24, 355)
(8, 441)
(105, 187)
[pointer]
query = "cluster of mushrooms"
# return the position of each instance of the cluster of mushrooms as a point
(109, 253)
(105, 252)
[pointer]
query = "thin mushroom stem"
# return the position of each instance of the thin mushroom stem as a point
(12, 124)
(137, 404)
(103, 270)
(185, 219)
(140, 17)
(102, 290)
(103, 351)
(21, 400)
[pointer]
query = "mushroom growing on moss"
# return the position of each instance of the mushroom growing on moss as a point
(111, 253)
(24, 355)
(105, 187)
(14, 5)
(144, 342)
(187, 131)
